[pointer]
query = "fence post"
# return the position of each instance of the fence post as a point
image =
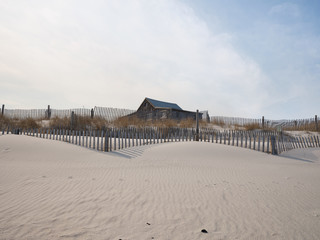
(106, 143)
(49, 112)
(197, 126)
(246, 141)
(2, 110)
(316, 122)
(72, 136)
(129, 139)
(86, 138)
(94, 139)
(233, 138)
(122, 139)
(268, 144)
(143, 137)
(97, 140)
(102, 140)
(115, 140)
(76, 135)
(72, 120)
(273, 145)
(278, 145)
(111, 134)
(83, 135)
(69, 135)
(92, 113)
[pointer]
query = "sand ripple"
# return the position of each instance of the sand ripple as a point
(53, 190)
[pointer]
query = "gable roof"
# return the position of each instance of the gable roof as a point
(160, 104)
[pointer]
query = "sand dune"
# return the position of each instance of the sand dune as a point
(55, 190)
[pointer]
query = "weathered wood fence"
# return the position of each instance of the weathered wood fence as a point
(107, 113)
(301, 124)
(115, 139)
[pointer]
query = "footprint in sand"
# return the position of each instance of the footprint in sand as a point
(70, 177)
(6, 150)
(316, 214)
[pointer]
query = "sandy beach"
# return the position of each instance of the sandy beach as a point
(55, 190)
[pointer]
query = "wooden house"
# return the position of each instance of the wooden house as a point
(151, 109)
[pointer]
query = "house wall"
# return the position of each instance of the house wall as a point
(147, 112)
(160, 114)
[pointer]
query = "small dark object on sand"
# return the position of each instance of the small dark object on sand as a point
(204, 231)
(148, 224)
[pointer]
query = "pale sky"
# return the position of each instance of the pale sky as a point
(241, 58)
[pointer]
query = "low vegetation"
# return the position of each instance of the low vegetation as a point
(304, 127)
(78, 122)
(133, 121)
(220, 123)
(26, 123)
(81, 122)
(252, 126)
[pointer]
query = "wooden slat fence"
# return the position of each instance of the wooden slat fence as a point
(235, 120)
(292, 123)
(111, 114)
(119, 138)
(107, 113)
(25, 113)
(61, 113)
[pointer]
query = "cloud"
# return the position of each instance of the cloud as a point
(112, 53)
(286, 9)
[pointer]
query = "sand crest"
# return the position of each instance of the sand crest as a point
(55, 190)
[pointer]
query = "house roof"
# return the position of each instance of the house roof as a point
(160, 104)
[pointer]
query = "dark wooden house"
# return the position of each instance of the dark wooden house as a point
(151, 109)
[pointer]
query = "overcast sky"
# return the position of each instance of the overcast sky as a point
(244, 58)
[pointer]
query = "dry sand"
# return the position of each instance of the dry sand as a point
(55, 190)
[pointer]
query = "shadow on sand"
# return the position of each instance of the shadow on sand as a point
(132, 152)
(310, 155)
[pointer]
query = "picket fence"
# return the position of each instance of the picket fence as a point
(268, 123)
(106, 113)
(115, 139)
(111, 114)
